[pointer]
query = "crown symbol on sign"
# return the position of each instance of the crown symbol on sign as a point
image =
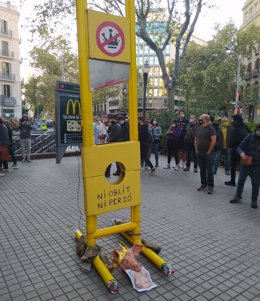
(114, 42)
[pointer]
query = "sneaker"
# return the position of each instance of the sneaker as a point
(177, 167)
(152, 171)
(167, 166)
(23, 161)
(235, 200)
(202, 187)
(14, 165)
(230, 183)
(156, 165)
(195, 169)
(227, 173)
(186, 168)
(254, 205)
(147, 168)
(210, 189)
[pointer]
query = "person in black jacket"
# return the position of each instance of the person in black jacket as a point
(238, 132)
(11, 151)
(145, 142)
(4, 144)
(115, 134)
(191, 133)
(182, 123)
(250, 146)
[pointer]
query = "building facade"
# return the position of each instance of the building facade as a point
(251, 77)
(10, 82)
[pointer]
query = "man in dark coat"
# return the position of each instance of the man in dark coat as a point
(115, 134)
(238, 132)
(250, 146)
(145, 142)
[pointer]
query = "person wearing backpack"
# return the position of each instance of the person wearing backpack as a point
(249, 147)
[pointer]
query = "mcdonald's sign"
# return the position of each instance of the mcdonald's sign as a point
(73, 104)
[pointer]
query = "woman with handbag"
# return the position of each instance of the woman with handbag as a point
(249, 152)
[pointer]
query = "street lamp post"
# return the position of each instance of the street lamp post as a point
(237, 80)
(229, 51)
(146, 68)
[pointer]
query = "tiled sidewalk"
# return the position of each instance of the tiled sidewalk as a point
(213, 245)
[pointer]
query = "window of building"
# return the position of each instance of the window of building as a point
(6, 70)
(8, 113)
(5, 48)
(7, 91)
(155, 81)
(4, 28)
(156, 92)
(146, 49)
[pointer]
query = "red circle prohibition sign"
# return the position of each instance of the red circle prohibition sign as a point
(110, 38)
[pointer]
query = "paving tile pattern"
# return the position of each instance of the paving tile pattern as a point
(213, 245)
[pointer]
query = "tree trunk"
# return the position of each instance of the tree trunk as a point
(171, 97)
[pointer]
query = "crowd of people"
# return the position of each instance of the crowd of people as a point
(203, 142)
(6, 142)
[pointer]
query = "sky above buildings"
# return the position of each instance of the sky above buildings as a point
(221, 13)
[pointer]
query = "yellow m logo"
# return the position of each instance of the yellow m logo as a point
(73, 104)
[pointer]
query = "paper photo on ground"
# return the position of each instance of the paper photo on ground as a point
(141, 281)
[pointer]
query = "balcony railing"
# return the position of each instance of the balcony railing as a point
(7, 101)
(7, 53)
(6, 76)
(6, 32)
(256, 72)
(247, 75)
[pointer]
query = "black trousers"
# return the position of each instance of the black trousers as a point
(11, 152)
(172, 149)
(191, 154)
(145, 153)
(206, 169)
(234, 160)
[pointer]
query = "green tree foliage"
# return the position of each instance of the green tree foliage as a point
(208, 81)
(52, 61)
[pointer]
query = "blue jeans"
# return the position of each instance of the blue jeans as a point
(254, 173)
(206, 169)
(155, 150)
(218, 154)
